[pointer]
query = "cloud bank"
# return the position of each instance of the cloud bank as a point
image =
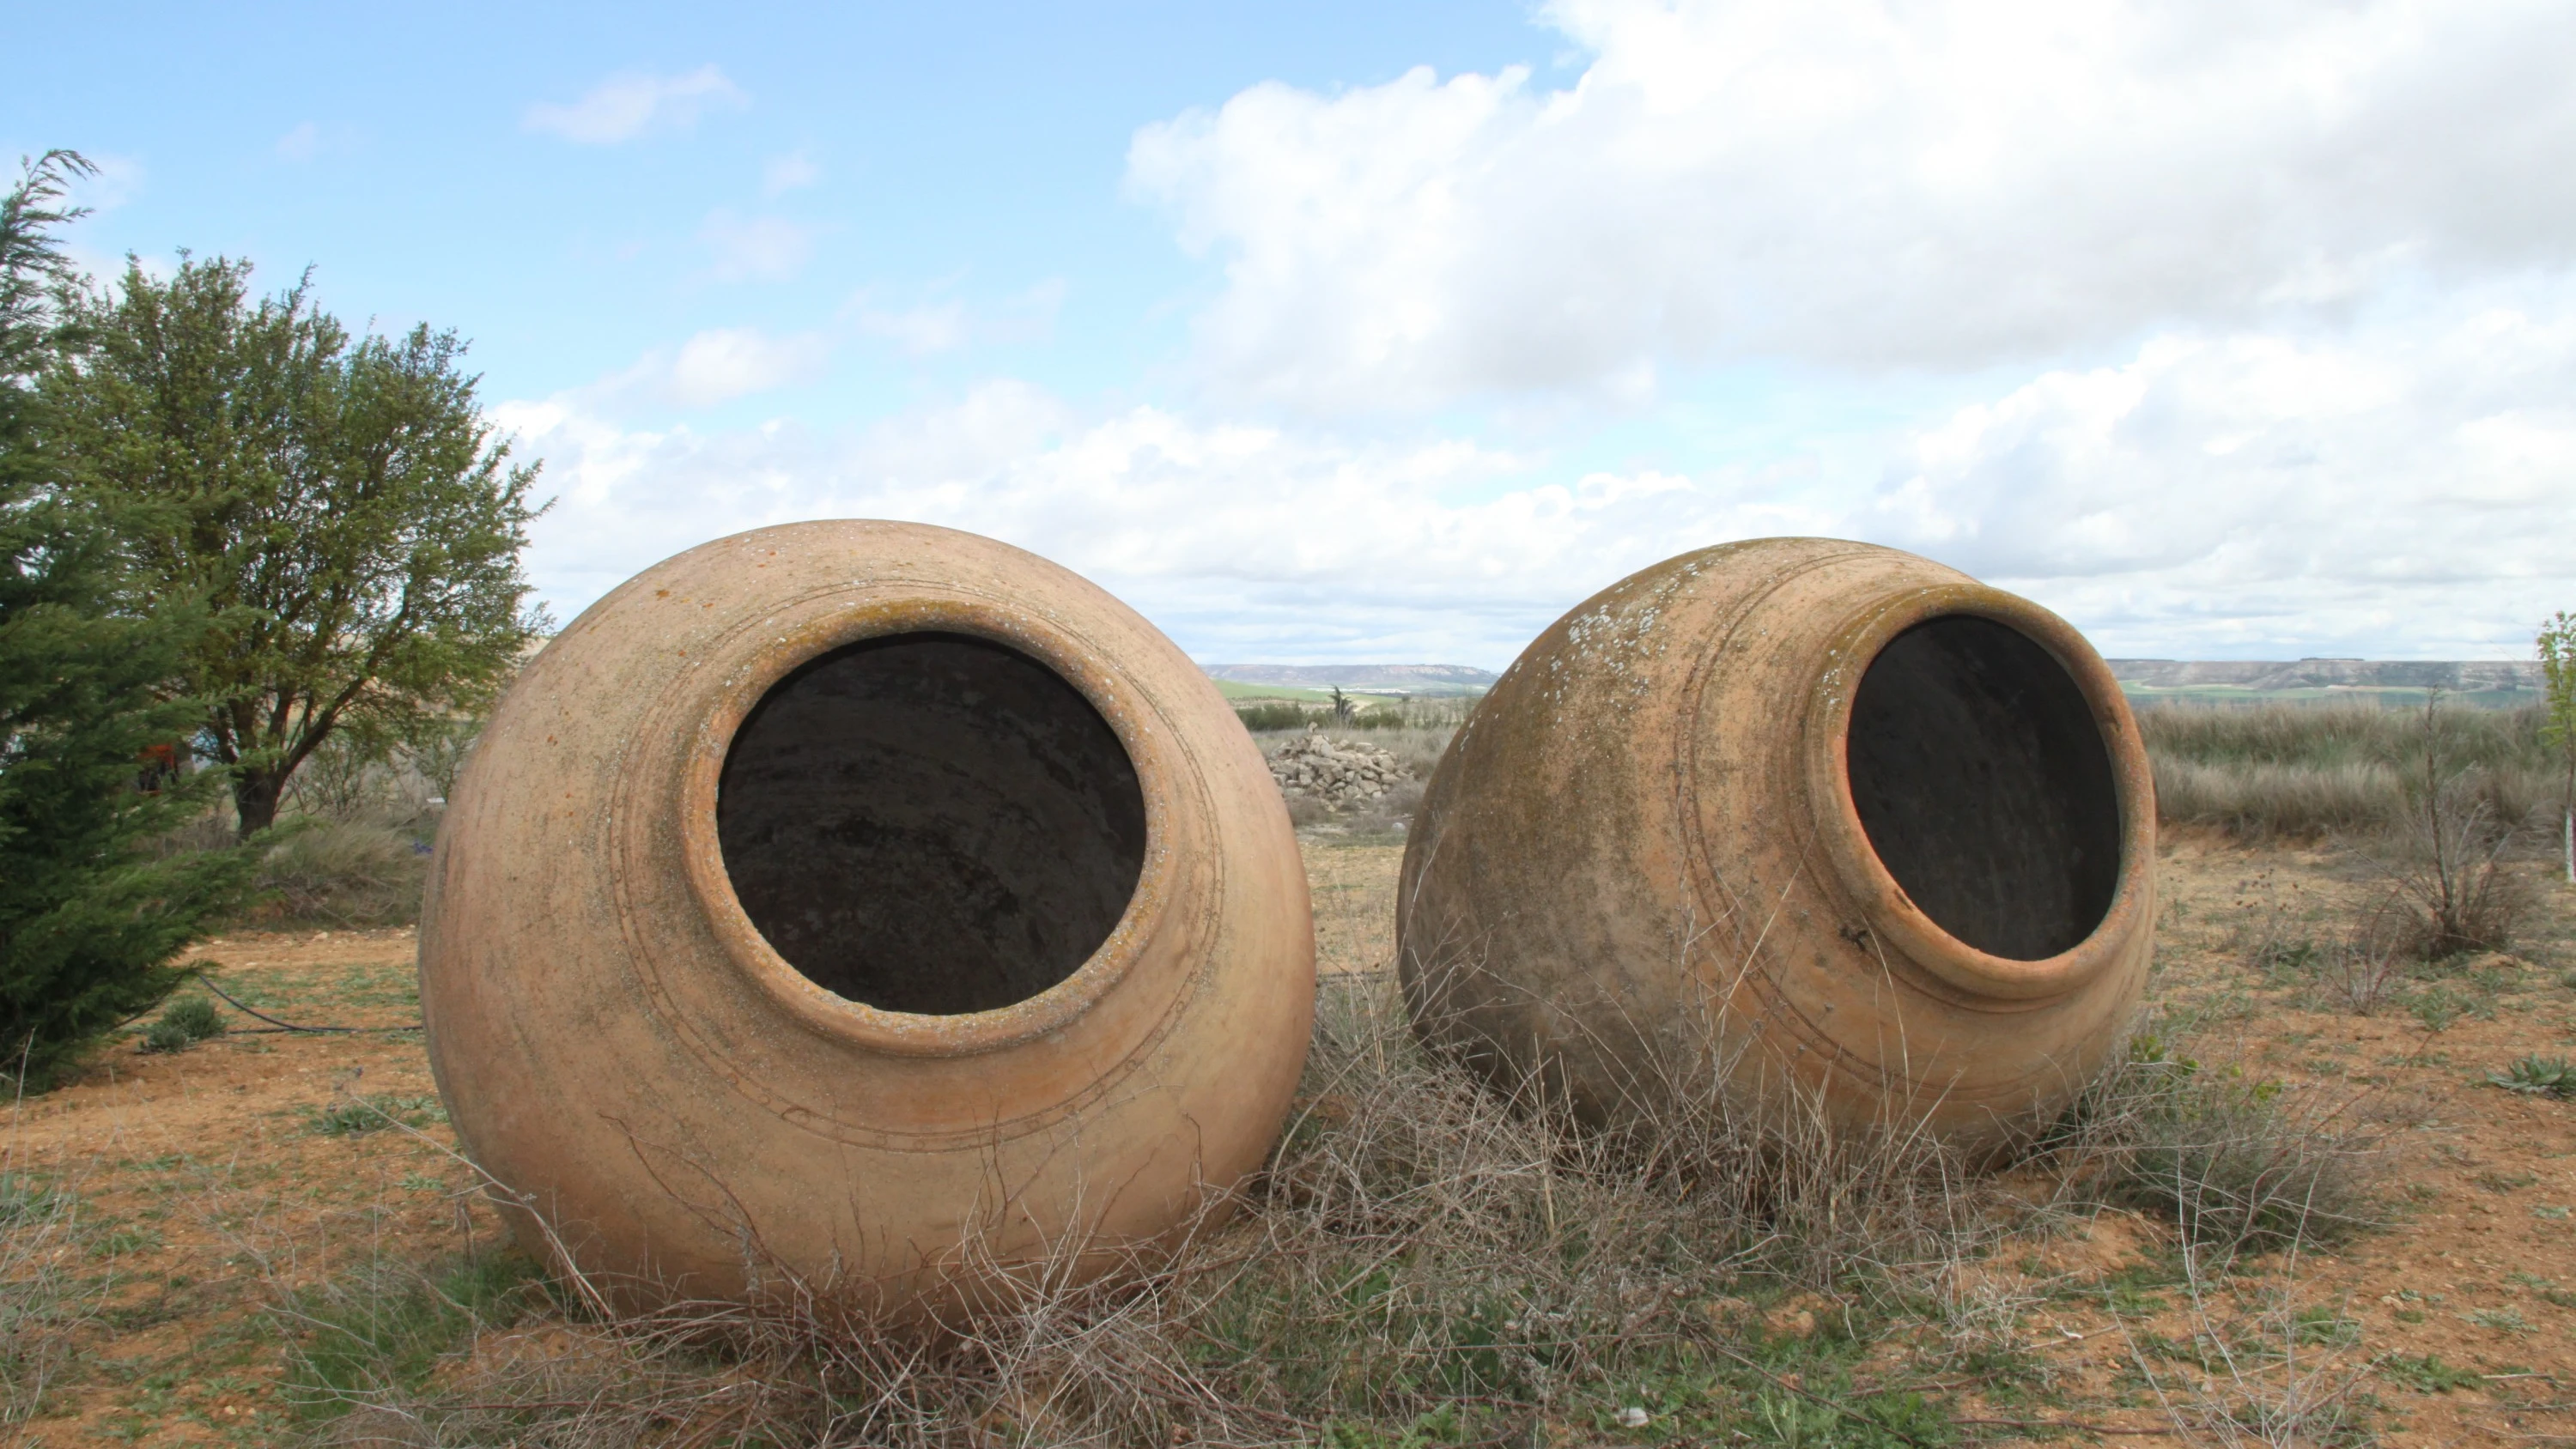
(1865, 184)
(2203, 498)
(2248, 331)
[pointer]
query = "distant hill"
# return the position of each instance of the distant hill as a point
(2491, 681)
(1363, 678)
(2475, 681)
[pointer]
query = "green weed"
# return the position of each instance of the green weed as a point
(2538, 1077)
(182, 1024)
(358, 1338)
(352, 1116)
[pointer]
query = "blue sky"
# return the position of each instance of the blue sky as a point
(1340, 332)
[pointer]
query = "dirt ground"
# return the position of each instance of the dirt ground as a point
(208, 1189)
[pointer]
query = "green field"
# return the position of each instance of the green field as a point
(1232, 690)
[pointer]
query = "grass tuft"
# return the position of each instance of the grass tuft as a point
(182, 1024)
(2239, 1165)
(358, 1342)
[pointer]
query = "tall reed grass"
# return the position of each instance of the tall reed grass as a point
(2307, 771)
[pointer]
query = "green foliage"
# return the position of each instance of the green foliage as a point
(2557, 645)
(2428, 1374)
(26, 1199)
(1879, 1421)
(359, 1338)
(356, 1116)
(341, 506)
(2537, 1076)
(89, 919)
(183, 1023)
(436, 747)
(1273, 715)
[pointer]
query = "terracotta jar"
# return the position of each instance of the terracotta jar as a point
(1795, 816)
(869, 910)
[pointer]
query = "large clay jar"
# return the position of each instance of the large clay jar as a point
(1797, 821)
(863, 910)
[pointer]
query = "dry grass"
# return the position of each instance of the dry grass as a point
(2264, 1374)
(342, 874)
(45, 1298)
(2344, 770)
(2239, 1165)
(1422, 1252)
(1426, 1261)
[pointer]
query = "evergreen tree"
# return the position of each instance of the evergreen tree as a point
(90, 917)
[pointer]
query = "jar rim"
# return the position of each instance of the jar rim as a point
(1090, 672)
(1854, 859)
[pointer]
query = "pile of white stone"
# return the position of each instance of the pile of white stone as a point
(1340, 773)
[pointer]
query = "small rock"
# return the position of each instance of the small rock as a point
(1634, 1416)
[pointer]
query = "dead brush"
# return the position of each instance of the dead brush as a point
(2239, 1164)
(1419, 1245)
(45, 1299)
(2362, 969)
(2272, 1375)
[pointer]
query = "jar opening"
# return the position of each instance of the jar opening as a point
(1985, 787)
(930, 823)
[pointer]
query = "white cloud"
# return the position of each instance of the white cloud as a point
(632, 103)
(1242, 541)
(2404, 491)
(756, 248)
(2401, 492)
(1866, 183)
(714, 366)
(928, 328)
(782, 174)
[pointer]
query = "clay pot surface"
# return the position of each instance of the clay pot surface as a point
(866, 909)
(1822, 821)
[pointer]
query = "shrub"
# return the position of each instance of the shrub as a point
(182, 1024)
(342, 875)
(2262, 799)
(2234, 1162)
(2450, 870)
(2360, 972)
(1272, 716)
